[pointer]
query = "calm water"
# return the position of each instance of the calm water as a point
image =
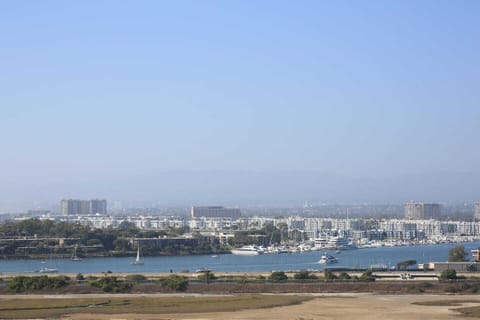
(230, 263)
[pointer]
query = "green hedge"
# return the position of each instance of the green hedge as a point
(24, 283)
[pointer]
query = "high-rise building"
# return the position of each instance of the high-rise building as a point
(98, 206)
(421, 211)
(84, 207)
(79, 207)
(477, 211)
(215, 212)
(432, 210)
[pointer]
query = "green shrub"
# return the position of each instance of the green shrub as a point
(304, 275)
(243, 280)
(448, 274)
(93, 242)
(136, 278)
(175, 282)
(111, 284)
(24, 283)
(367, 276)
(403, 265)
(457, 254)
(278, 276)
(207, 276)
(344, 276)
(329, 275)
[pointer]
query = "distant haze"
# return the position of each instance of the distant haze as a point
(255, 188)
(234, 102)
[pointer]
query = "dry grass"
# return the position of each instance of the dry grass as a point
(445, 303)
(473, 312)
(54, 308)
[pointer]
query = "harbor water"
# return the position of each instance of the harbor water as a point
(358, 258)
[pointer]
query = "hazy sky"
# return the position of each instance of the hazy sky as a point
(108, 89)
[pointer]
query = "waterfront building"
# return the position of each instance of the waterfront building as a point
(476, 255)
(215, 212)
(467, 266)
(363, 231)
(420, 210)
(172, 241)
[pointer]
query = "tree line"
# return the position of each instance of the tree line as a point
(42, 241)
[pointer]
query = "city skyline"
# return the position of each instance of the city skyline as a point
(264, 189)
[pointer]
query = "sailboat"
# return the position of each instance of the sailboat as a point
(74, 255)
(45, 269)
(138, 261)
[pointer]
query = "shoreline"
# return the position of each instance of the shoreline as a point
(241, 283)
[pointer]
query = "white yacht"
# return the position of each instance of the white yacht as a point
(334, 243)
(248, 251)
(328, 259)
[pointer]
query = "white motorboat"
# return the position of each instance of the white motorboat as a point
(248, 251)
(47, 270)
(328, 259)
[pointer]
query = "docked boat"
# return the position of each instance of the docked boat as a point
(248, 251)
(328, 259)
(334, 243)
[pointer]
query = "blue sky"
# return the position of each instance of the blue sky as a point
(108, 89)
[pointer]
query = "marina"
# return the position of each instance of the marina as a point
(384, 256)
